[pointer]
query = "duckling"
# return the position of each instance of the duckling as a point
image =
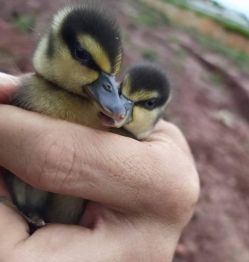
(145, 92)
(75, 65)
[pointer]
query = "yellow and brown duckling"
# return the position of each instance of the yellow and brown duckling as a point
(75, 65)
(145, 92)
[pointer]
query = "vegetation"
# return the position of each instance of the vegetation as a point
(150, 55)
(180, 57)
(215, 79)
(179, 3)
(217, 5)
(150, 17)
(23, 22)
(230, 26)
(227, 25)
(241, 59)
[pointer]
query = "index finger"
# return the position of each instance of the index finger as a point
(13, 230)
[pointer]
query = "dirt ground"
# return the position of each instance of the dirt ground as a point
(210, 105)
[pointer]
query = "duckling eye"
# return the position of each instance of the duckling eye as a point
(150, 104)
(81, 54)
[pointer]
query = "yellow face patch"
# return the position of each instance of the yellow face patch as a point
(93, 47)
(143, 121)
(126, 85)
(62, 69)
(143, 95)
(118, 62)
(99, 55)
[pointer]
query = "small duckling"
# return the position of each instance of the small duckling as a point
(145, 92)
(75, 66)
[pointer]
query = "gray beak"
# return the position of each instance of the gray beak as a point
(104, 91)
(128, 104)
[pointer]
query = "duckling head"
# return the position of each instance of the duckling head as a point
(145, 92)
(82, 52)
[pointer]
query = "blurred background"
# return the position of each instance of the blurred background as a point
(204, 47)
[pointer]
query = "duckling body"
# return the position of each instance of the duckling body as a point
(59, 104)
(39, 95)
(75, 64)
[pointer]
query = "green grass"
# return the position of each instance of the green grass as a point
(174, 40)
(150, 17)
(229, 26)
(180, 57)
(217, 80)
(226, 24)
(145, 20)
(241, 59)
(214, 79)
(150, 55)
(179, 3)
(23, 22)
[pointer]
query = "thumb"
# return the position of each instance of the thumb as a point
(8, 85)
(12, 226)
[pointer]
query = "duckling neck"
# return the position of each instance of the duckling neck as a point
(41, 58)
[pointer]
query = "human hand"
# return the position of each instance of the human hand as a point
(8, 85)
(141, 194)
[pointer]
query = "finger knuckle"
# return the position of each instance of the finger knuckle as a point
(183, 195)
(175, 190)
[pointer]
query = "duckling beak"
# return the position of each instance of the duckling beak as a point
(128, 104)
(104, 92)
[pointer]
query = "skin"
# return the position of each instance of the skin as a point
(142, 193)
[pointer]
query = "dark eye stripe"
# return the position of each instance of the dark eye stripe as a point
(100, 26)
(90, 63)
(81, 54)
(158, 103)
(72, 43)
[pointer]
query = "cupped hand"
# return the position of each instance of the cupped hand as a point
(141, 194)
